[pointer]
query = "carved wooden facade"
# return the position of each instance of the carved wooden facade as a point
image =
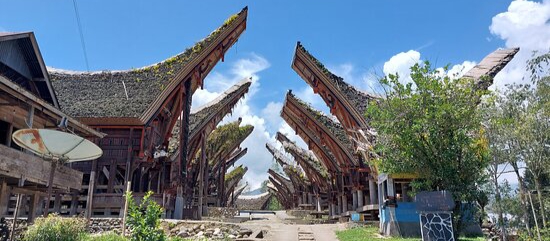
(138, 109)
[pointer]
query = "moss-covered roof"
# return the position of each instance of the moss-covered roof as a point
(285, 182)
(357, 99)
(215, 108)
(235, 174)
(304, 155)
(124, 93)
(225, 138)
(296, 175)
(334, 126)
(280, 158)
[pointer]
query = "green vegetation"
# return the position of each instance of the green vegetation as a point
(54, 227)
(517, 119)
(144, 219)
(431, 126)
(237, 172)
(274, 204)
(110, 236)
(223, 137)
(370, 233)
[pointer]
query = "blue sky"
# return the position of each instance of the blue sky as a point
(354, 39)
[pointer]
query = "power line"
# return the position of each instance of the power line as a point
(81, 35)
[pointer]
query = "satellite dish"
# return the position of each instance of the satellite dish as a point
(56, 145)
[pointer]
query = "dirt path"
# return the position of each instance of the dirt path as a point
(279, 228)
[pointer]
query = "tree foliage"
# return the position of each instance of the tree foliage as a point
(144, 219)
(430, 126)
(517, 119)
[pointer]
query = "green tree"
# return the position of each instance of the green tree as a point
(144, 219)
(517, 119)
(431, 126)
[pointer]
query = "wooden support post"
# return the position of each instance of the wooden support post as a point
(53, 166)
(16, 211)
(33, 206)
(89, 200)
(128, 172)
(372, 192)
(206, 180)
(74, 204)
(354, 200)
(360, 198)
(318, 199)
(5, 193)
(339, 208)
(201, 175)
(344, 203)
(57, 203)
(9, 133)
(125, 213)
(112, 176)
(178, 210)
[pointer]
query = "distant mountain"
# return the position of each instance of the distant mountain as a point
(253, 192)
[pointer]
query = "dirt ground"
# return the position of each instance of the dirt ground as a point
(279, 227)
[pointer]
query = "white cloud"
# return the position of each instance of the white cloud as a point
(525, 24)
(401, 64)
(271, 113)
(258, 159)
(460, 69)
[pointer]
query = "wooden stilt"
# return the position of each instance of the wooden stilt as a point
(90, 198)
(74, 204)
(16, 212)
(201, 176)
(53, 166)
(125, 209)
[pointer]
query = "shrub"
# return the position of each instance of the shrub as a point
(55, 228)
(144, 219)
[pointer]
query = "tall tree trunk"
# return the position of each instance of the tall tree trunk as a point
(523, 196)
(498, 199)
(534, 214)
(541, 203)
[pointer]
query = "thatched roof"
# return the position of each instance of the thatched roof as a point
(257, 202)
(357, 98)
(126, 93)
(225, 139)
(216, 108)
(280, 158)
(301, 154)
(297, 176)
(282, 180)
(334, 127)
(490, 66)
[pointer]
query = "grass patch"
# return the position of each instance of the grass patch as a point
(105, 237)
(370, 233)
